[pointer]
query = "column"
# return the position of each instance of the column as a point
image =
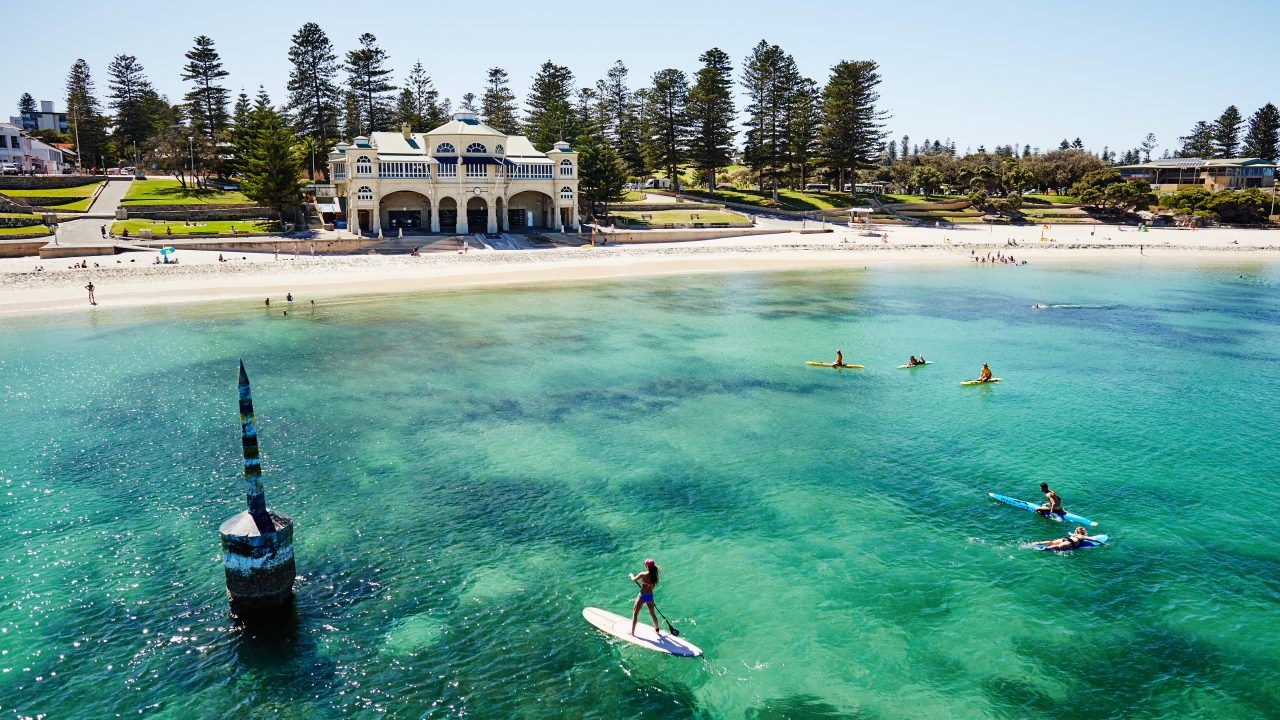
(375, 215)
(504, 220)
(556, 224)
(434, 202)
(491, 206)
(464, 225)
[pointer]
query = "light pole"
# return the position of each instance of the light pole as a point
(191, 146)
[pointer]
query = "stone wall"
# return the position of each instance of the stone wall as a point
(16, 222)
(46, 182)
(179, 213)
(47, 201)
(649, 236)
(12, 248)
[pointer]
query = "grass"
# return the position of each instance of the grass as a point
(787, 199)
(44, 229)
(662, 217)
(1059, 199)
(77, 206)
(171, 192)
(82, 191)
(919, 198)
(221, 227)
(633, 196)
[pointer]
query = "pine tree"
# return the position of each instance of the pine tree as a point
(367, 80)
(468, 103)
(1199, 144)
(1263, 137)
(350, 115)
(1077, 144)
(711, 115)
(804, 123)
(1026, 150)
(314, 99)
(207, 100)
(601, 175)
(586, 109)
(619, 113)
(129, 89)
(1064, 145)
(906, 146)
(86, 125)
(239, 134)
(851, 125)
(549, 113)
(1226, 133)
(770, 78)
(273, 166)
(418, 105)
(498, 106)
(667, 122)
(27, 104)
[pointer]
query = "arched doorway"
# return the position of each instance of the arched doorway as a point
(529, 210)
(448, 216)
(477, 215)
(405, 210)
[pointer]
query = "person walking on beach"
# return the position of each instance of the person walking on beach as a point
(1053, 503)
(647, 581)
(90, 288)
(103, 230)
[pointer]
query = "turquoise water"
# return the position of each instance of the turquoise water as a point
(468, 470)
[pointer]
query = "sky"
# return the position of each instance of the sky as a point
(978, 72)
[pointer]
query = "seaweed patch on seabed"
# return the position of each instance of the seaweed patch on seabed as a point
(808, 707)
(521, 510)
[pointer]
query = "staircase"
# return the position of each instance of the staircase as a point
(424, 244)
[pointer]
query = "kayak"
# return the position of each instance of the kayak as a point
(645, 637)
(981, 382)
(1033, 507)
(1098, 541)
(926, 362)
(830, 365)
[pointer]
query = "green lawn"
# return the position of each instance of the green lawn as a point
(787, 199)
(633, 196)
(77, 206)
(24, 230)
(159, 228)
(662, 217)
(171, 192)
(82, 191)
(919, 198)
(1061, 199)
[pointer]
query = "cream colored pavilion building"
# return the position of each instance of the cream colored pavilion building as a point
(462, 177)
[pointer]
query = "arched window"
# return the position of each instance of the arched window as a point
(364, 193)
(566, 168)
(566, 193)
(445, 149)
(498, 150)
(364, 166)
(477, 148)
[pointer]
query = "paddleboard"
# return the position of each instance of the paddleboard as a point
(1034, 506)
(981, 382)
(645, 637)
(833, 365)
(926, 362)
(1098, 541)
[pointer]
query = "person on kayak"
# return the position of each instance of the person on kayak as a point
(839, 358)
(1070, 542)
(647, 579)
(985, 375)
(1053, 506)
(913, 361)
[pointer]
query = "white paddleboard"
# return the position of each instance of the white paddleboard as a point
(645, 637)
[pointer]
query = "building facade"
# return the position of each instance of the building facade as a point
(1173, 174)
(45, 119)
(462, 177)
(29, 154)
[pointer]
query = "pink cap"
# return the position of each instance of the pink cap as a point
(649, 563)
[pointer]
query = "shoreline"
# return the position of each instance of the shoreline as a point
(131, 279)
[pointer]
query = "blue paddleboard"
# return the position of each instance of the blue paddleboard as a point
(1033, 506)
(1098, 541)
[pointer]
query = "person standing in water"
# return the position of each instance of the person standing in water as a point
(647, 580)
(91, 288)
(1053, 503)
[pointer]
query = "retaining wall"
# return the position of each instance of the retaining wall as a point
(15, 222)
(22, 247)
(655, 236)
(46, 182)
(194, 212)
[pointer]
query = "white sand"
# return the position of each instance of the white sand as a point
(200, 276)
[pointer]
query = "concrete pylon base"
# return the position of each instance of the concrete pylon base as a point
(257, 555)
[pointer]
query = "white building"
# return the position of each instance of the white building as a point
(462, 177)
(28, 153)
(44, 119)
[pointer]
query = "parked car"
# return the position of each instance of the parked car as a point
(9, 169)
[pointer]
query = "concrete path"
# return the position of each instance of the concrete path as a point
(87, 230)
(109, 199)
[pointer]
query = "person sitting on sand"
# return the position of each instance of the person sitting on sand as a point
(1053, 503)
(647, 579)
(1072, 541)
(985, 375)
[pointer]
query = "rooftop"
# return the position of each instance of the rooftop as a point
(1184, 163)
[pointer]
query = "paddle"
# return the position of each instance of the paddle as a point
(670, 627)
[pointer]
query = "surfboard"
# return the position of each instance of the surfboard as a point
(1034, 506)
(830, 365)
(1098, 541)
(926, 362)
(981, 382)
(645, 637)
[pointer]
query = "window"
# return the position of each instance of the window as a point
(478, 148)
(445, 149)
(444, 170)
(339, 172)
(403, 170)
(364, 193)
(530, 172)
(498, 150)
(364, 166)
(566, 168)
(477, 170)
(566, 193)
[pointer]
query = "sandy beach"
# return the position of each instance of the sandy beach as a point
(133, 279)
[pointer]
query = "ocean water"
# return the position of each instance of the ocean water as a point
(468, 470)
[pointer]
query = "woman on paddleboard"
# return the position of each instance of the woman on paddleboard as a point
(1070, 542)
(647, 580)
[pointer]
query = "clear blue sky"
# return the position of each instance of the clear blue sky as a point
(982, 73)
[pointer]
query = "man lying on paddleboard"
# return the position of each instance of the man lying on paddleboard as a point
(647, 579)
(1070, 542)
(1053, 506)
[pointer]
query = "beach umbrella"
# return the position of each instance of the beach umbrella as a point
(167, 250)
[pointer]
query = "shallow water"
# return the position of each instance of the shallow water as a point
(468, 470)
